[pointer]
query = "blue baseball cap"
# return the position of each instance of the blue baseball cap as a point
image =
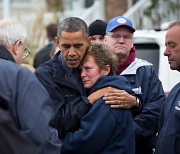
(117, 22)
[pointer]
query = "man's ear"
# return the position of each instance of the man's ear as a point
(89, 40)
(15, 47)
(57, 40)
(105, 38)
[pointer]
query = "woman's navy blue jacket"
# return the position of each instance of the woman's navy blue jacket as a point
(103, 130)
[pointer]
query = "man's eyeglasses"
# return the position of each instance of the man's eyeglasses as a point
(26, 51)
(117, 37)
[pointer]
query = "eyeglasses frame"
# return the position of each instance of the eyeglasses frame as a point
(26, 51)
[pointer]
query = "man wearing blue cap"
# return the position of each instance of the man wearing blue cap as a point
(144, 80)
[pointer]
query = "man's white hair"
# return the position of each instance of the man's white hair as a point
(11, 31)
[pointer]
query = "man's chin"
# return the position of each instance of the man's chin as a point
(173, 68)
(73, 66)
(119, 50)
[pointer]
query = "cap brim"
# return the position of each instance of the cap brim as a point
(132, 29)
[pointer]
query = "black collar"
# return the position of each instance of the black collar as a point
(5, 54)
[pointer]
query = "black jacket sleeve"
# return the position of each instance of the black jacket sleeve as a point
(69, 104)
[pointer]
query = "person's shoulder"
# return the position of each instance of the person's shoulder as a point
(5, 63)
(144, 65)
(12, 74)
(44, 70)
(49, 67)
(135, 66)
(44, 67)
(174, 96)
(147, 68)
(176, 89)
(113, 81)
(147, 72)
(141, 62)
(9, 66)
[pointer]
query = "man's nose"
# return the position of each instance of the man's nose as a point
(166, 52)
(72, 51)
(121, 39)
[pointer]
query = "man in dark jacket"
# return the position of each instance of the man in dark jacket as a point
(143, 79)
(61, 77)
(43, 54)
(28, 101)
(169, 123)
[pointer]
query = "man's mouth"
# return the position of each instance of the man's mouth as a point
(72, 61)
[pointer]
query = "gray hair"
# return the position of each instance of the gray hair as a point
(11, 31)
(72, 24)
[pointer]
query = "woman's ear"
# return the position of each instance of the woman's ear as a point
(106, 70)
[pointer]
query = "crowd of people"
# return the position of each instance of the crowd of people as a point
(91, 94)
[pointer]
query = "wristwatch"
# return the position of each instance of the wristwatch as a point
(137, 101)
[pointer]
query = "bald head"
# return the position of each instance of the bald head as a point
(172, 42)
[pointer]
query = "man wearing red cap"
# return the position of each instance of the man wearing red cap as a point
(144, 80)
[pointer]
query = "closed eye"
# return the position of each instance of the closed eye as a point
(171, 45)
(66, 46)
(77, 46)
(86, 68)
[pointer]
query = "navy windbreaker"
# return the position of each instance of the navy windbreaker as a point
(169, 127)
(103, 130)
(29, 103)
(144, 81)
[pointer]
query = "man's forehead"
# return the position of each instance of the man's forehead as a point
(78, 33)
(71, 43)
(72, 37)
(174, 30)
(173, 33)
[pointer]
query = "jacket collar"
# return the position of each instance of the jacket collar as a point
(113, 81)
(61, 75)
(5, 54)
(128, 61)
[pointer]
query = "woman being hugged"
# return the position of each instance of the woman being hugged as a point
(103, 129)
